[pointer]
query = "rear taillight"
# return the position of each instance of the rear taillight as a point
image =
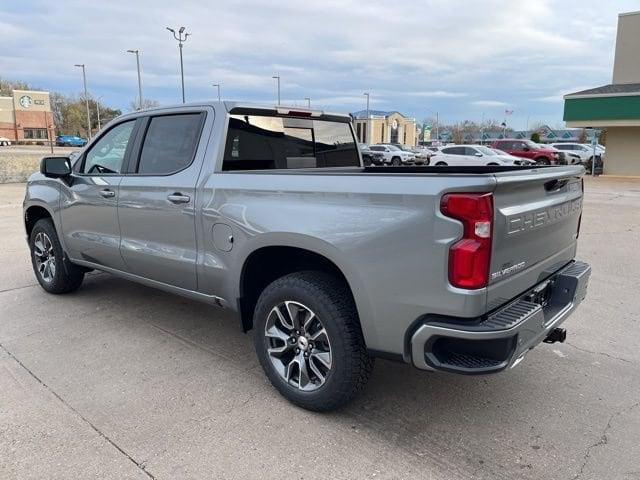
(470, 257)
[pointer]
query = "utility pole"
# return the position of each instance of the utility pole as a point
(308, 99)
(366, 139)
(181, 37)
(86, 98)
(217, 85)
(437, 126)
(98, 112)
(139, 78)
(277, 78)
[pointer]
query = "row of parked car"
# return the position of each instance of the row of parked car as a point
(500, 152)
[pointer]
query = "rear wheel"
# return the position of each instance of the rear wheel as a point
(493, 164)
(441, 164)
(53, 271)
(309, 342)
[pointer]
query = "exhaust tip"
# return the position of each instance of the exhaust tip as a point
(556, 335)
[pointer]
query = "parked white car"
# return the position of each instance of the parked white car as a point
(474, 155)
(585, 152)
(4, 142)
(393, 155)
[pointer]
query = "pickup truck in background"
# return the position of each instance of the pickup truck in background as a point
(268, 211)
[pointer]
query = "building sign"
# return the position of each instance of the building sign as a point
(26, 101)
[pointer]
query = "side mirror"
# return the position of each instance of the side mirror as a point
(478, 154)
(55, 167)
(525, 149)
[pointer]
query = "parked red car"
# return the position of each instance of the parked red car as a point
(528, 149)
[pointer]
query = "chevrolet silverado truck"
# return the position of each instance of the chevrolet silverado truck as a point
(268, 212)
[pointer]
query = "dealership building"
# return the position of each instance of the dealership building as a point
(377, 126)
(615, 106)
(26, 116)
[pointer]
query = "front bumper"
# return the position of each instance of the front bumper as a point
(502, 339)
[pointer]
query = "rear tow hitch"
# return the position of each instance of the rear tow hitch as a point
(556, 335)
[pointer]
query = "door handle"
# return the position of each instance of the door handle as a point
(106, 193)
(179, 198)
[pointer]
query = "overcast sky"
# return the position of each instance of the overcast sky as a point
(460, 58)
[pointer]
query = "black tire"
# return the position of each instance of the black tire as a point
(542, 161)
(65, 276)
(492, 164)
(396, 162)
(441, 164)
(334, 308)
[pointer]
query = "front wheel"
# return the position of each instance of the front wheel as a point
(54, 273)
(542, 161)
(309, 342)
(396, 162)
(441, 164)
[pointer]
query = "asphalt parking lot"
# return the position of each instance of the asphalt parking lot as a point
(122, 381)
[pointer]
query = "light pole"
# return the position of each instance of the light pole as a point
(277, 78)
(181, 37)
(98, 113)
(217, 85)
(86, 98)
(308, 99)
(139, 77)
(366, 135)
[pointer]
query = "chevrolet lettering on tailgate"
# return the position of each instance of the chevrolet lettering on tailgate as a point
(542, 218)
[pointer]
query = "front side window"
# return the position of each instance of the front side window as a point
(107, 155)
(454, 150)
(259, 142)
(170, 143)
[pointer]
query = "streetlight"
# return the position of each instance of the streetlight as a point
(217, 85)
(139, 77)
(86, 98)
(366, 134)
(277, 78)
(181, 39)
(308, 99)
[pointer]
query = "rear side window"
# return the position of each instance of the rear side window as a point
(170, 143)
(256, 142)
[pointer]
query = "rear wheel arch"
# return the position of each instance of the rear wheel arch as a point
(266, 264)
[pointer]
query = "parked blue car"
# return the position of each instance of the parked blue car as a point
(70, 141)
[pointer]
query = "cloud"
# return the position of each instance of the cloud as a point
(437, 55)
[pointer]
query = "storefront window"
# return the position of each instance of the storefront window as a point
(35, 133)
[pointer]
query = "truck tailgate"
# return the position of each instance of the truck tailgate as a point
(536, 217)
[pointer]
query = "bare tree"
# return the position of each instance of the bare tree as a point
(146, 103)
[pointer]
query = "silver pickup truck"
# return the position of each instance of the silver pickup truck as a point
(268, 211)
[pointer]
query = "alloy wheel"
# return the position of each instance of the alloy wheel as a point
(44, 257)
(298, 345)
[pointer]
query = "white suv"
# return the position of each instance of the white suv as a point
(585, 152)
(393, 154)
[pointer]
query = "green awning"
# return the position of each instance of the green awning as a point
(602, 107)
